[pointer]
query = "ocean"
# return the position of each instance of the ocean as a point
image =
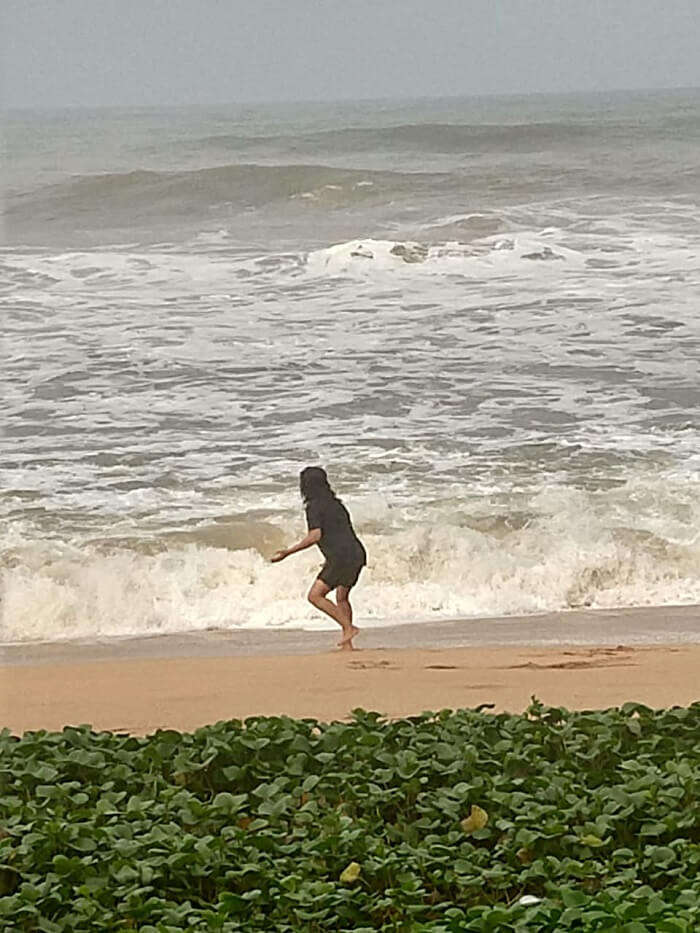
(482, 316)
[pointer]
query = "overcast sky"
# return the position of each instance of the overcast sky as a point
(129, 52)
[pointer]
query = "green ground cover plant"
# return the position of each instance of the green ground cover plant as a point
(439, 822)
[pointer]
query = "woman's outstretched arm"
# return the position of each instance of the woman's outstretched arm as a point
(313, 537)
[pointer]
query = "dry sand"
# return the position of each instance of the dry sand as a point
(130, 688)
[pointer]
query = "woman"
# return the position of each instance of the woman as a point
(330, 527)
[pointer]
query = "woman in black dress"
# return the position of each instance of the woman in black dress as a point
(331, 529)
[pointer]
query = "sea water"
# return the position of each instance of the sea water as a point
(482, 316)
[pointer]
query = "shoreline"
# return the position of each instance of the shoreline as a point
(646, 625)
(583, 660)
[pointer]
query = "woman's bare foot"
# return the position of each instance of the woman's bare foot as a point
(349, 633)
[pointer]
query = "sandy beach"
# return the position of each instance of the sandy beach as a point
(648, 655)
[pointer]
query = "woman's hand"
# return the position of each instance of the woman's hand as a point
(313, 537)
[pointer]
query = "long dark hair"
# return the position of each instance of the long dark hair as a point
(313, 484)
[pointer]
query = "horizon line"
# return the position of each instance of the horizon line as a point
(267, 102)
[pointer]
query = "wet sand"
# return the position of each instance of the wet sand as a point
(584, 660)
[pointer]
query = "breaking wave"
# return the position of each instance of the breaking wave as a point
(570, 550)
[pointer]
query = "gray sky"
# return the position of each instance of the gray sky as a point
(94, 52)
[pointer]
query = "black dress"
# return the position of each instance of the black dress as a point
(344, 552)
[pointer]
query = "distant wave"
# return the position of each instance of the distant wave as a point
(423, 137)
(140, 193)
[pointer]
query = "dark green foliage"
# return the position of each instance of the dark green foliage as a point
(249, 826)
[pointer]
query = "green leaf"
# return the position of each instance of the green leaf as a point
(653, 829)
(661, 855)
(84, 844)
(310, 782)
(572, 898)
(229, 803)
(62, 865)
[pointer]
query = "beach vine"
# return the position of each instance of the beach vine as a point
(448, 821)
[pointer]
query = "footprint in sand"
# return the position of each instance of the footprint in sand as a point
(586, 658)
(588, 664)
(367, 665)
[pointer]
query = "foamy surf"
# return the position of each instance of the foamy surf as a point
(562, 549)
(520, 254)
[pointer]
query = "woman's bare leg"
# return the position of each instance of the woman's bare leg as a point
(318, 597)
(342, 598)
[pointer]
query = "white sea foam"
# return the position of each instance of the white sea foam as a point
(526, 254)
